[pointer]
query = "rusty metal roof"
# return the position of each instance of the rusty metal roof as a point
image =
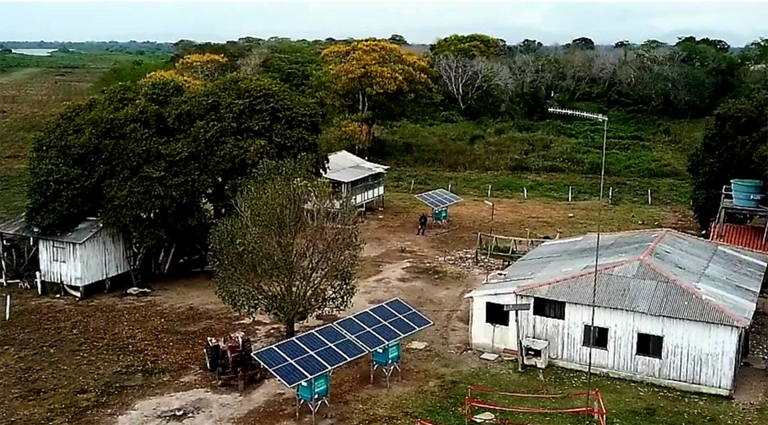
(80, 234)
(750, 237)
(659, 272)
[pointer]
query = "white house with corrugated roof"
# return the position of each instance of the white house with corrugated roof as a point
(669, 308)
(353, 176)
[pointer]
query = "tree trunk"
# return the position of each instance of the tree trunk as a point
(290, 327)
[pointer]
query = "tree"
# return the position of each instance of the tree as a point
(529, 47)
(734, 146)
(466, 79)
(160, 162)
(622, 44)
(398, 39)
(469, 46)
(286, 251)
(372, 67)
(582, 43)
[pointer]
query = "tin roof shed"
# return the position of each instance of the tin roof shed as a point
(659, 272)
(345, 167)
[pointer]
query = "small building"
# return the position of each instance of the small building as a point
(669, 308)
(351, 175)
(87, 254)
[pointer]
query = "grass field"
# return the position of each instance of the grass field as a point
(629, 403)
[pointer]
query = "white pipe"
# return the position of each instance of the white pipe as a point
(7, 307)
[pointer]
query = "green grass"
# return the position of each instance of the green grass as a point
(635, 148)
(551, 186)
(10, 62)
(629, 403)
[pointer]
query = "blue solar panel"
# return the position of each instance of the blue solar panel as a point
(438, 198)
(417, 319)
(386, 333)
(311, 365)
(367, 319)
(271, 358)
(370, 340)
(290, 374)
(402, 326)
(349, 325)
(291, 349)
(383, 313)
(311, 341)
(399, 307)
(350, 349)
(330, 334)
(331, 356)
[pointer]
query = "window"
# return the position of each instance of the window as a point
(596, 337)
(649, 345)
(58, 253)
(549, 308)
(495, 314)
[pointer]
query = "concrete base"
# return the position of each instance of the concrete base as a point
(647, 379)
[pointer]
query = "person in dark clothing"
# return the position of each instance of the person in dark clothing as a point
(422, 224)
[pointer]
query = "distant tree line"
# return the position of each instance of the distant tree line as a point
(132, 46)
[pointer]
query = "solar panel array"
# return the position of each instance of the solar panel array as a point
(438, 198)
(320, 350)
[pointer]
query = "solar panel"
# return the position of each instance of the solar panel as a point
(318, 351)
(384, 323)
(309, 355)
(438, 198)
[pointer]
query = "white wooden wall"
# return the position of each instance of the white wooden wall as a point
(100, 257)
(693, 352)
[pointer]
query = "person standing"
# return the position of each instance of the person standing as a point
(422, 224)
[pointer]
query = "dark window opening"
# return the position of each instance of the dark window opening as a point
(649, 345)
(596, 337)
(549, 308)
(495, 314)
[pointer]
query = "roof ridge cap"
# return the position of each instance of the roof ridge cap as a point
(695, 292)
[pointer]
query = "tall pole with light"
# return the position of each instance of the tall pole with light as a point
(604, 120)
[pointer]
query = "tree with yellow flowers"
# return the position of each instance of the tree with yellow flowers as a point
(366, 70)
(373, 67)
(193, 69)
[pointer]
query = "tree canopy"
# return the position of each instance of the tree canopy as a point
(469, 46)
(160, 161)
(290, 249)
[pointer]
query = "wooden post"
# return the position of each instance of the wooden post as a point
(39, 283)
(519, 344)
(449, 186)
(7, 307)
(489, 191)
(525, 193)
(570, 193)
(411, 186)
(649, 196)
(610, 195)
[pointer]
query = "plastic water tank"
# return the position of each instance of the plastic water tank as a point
(747, 193)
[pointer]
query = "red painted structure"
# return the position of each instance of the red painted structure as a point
(749, 237)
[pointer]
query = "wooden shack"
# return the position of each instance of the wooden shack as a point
(353, 176)
(87, 254)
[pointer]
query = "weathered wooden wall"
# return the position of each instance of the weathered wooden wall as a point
(100, 257)
(693, 352)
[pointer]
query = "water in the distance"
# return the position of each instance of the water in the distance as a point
(34, 52)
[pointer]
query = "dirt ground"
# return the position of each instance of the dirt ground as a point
(112, 359)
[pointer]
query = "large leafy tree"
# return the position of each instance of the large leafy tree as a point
(734, 147)
(290, 249)
(160, 161)
(469, 46)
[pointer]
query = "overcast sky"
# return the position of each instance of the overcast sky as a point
(737, 23)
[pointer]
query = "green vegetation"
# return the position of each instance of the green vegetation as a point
(627, 402)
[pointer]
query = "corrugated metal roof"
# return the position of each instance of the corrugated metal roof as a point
(659, 272)
(345, 167)
(80, 234)
(750, 237)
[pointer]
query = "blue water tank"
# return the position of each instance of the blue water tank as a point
(747, 193)
(315, 388)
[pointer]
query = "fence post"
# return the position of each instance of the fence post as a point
(610, 195)
(649, 196)
(411, 186)
(7, 307)
(449, 186)
(525, 193)
(570, 193)
(489, 191)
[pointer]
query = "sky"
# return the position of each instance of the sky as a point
(548, 22)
